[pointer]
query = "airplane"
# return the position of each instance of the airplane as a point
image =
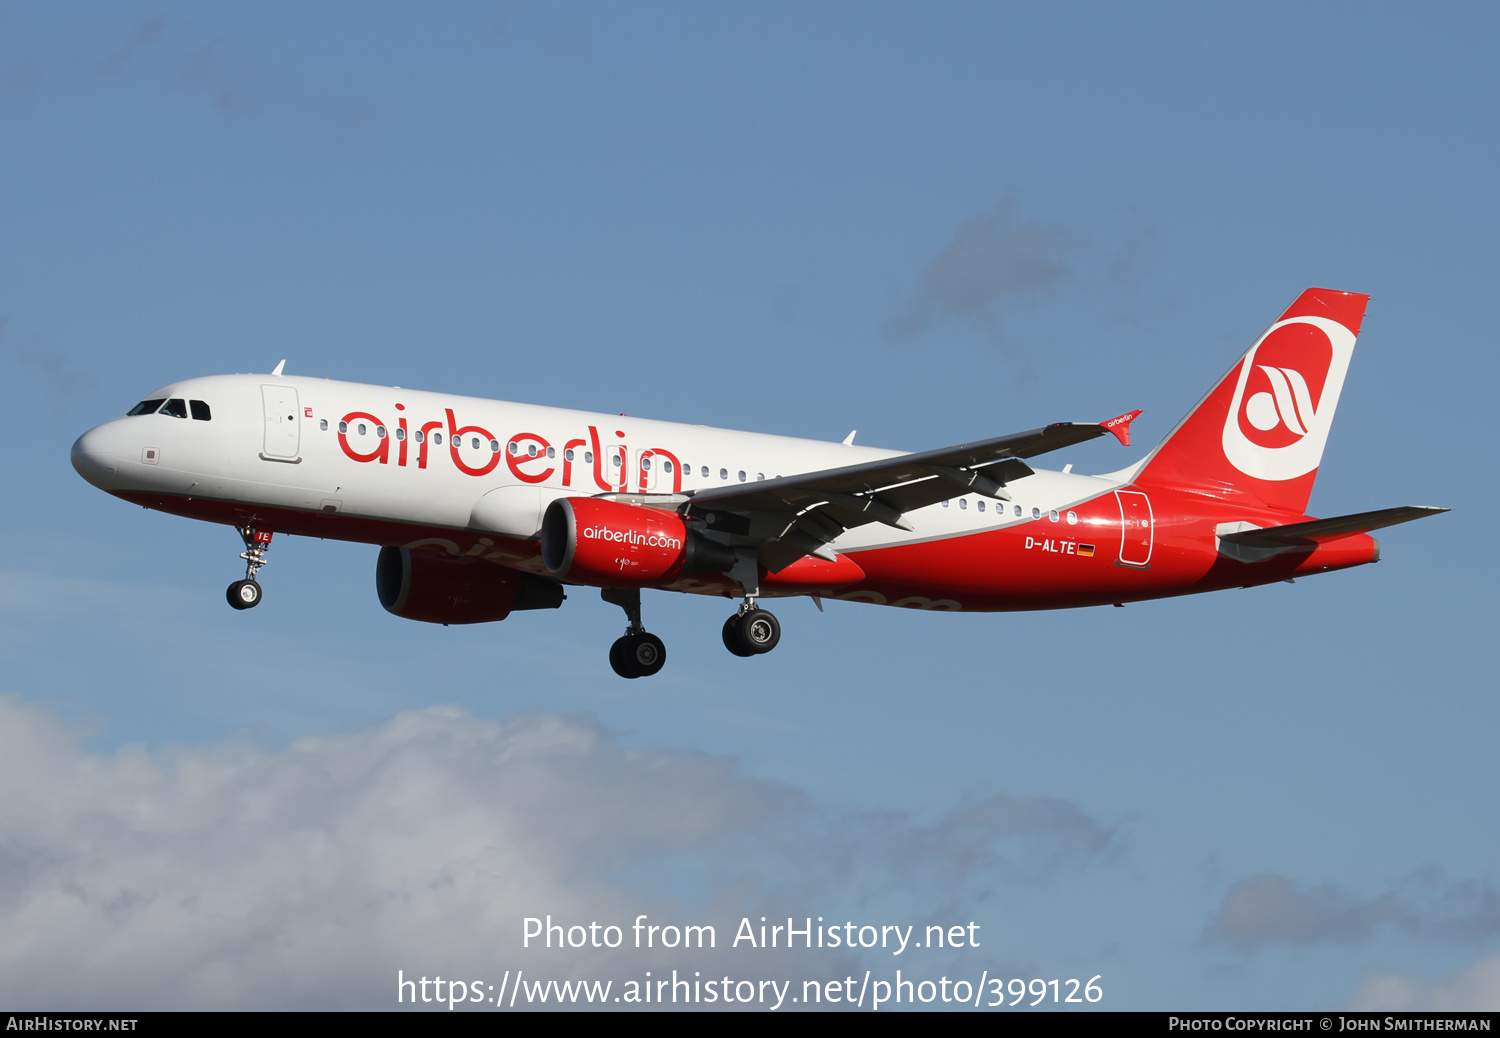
(482, 507)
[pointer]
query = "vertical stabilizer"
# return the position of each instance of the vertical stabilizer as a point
(1260, 432)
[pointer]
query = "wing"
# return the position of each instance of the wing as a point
(792, 516)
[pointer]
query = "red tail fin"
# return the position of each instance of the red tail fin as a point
(1260, 431)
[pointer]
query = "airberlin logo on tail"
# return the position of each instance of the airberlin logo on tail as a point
(1288, 404)
(1288, 389)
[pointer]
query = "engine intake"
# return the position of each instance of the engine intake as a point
(587, 540)
(437, 588)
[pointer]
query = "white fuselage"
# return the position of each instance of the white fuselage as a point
(276, 441)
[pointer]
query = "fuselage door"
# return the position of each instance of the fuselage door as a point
(283, 427)
(1136, 528)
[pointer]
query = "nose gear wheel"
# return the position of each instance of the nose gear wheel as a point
(244, 594)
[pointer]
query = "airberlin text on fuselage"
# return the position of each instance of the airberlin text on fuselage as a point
(526, 466)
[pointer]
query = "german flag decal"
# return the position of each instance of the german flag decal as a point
(1086, 549)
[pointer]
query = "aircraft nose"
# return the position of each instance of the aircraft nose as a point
(96, 457)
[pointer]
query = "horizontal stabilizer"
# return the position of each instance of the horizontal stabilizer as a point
(1329, 529)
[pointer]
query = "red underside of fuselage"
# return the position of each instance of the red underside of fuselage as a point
(1042, 564)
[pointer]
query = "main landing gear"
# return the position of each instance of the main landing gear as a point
(637, 654)
(752, 630)
(246, 594)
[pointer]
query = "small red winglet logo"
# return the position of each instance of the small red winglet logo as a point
(1120, 426)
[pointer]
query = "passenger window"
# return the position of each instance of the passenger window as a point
(723, 473)
(201, 412)
(419, 435)
(437, 439)
(742, 475)
(145, 407)
(704, 473)
(1018, 511)
(551, 451)
(323, 425)
(176, 407)
(1036, 513)
(588, 457)
(760, 475)
(963, 502)
(531, 450)
(567, 454)
(400, 433)
(494, 446)
(945, 504)
(343, 427)
(979, 505)
(360, 428)
(666, 466)
(380, 431)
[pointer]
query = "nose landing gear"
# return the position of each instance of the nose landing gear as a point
(246, 594)
(637, 654)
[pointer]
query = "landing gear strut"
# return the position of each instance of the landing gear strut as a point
(752, 630)
(246, 594)
(637, 654)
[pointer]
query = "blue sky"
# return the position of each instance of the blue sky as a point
(739, 215)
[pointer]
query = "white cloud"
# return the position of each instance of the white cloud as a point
(1475, 989)
(231, 876)
(1273, 909)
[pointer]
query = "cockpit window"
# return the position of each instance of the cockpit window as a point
(201, 412)
(176, 407)
(145, 407)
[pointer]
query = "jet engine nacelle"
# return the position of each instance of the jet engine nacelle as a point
(587, 540)
(437, 588)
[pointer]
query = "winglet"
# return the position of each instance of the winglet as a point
(849, 440)
(1121, 426)
(277, 369)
